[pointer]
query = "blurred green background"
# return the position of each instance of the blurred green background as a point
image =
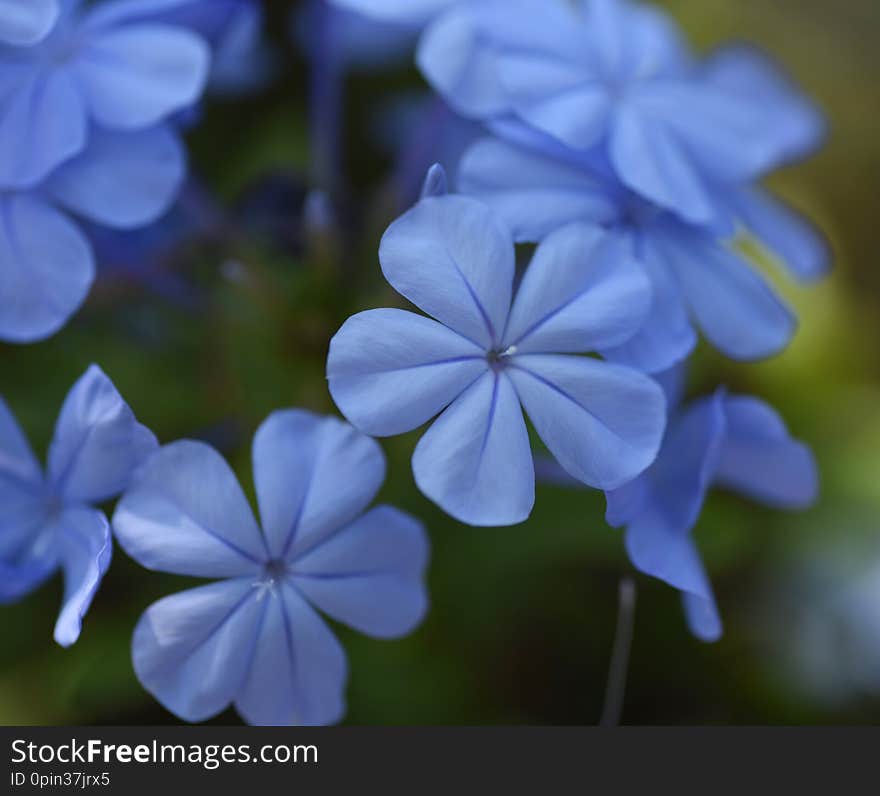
(522, 619)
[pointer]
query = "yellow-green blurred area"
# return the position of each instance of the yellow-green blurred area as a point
(522, 619)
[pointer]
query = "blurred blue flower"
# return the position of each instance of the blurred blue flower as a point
(615, 75)
(121, 180)
(48, 521)
(96, 69)
(390, 371)
(253, 638)
(25, 22)
(735, 442)
(538, 185)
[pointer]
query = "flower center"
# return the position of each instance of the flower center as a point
(274, 571)
(499, 359)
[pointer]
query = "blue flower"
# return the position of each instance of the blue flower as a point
(615, 75)
(538, 185)
(390, 371)
(47, 520)
(25, 22)
(735, 442)
(253, 637)
(122, 180)
(95, 69)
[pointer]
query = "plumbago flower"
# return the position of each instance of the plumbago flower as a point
(615, 75)
(487, 354)
(48, 520)
(253, 638)
(24, 22)
(94, 70)
(730, 441)
(121, 180)
(538, 185)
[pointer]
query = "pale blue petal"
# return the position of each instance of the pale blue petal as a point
(19, 579)
(683, 473)
(25, 22)
(391, 371)
(122, 180)
(137, 75)
(792, 127)
(192, 651)
(313, 474)
(453, 258)
(702, 616)
(17, 461)
(534, 193)
(624, 504)
(46, 269)
(583, 292)
(298, 672)
(44, 123)
(602, 422)
(413, 12)
(475, 461)
(761, 460)
(453, 57)
(733, 305)
(650, 160)
(785, 232)
(369, 575)
(667, 336)
(98, 443)
(667, 553)
(85, 550)
(186, 514)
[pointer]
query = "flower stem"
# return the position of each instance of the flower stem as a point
(617, 670)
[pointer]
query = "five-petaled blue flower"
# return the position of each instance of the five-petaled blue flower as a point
(614, 75)
(97, 69)
(731, 441)
(538, 185)
(48, 521)
(253, 639)
(25, 22)
(485, 355)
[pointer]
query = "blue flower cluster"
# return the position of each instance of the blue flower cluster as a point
(91, 97)
(634, 165)
(631, 164)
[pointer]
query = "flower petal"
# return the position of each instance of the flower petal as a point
(534, 193)
(85, 551)
(192, 650)
(670, 555)
(26, 23)
(17, 460)
(414, 12)
(46, 269)
(734, 306)
(122, 180)
(98, 443)
(390, 371)
(475, 461)
(760, 459)
(651, 161)
(299, 670)
(43, 124)
(313, 475)
(453, 258)
(185, 513)
(453, 57)
(788, 235)
(582, 292)
(602, 422)
(134, 76)
(667, 336)
(369, 575)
